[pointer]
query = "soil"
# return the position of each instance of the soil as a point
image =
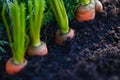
(94, 53)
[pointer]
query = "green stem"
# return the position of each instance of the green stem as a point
(36, 14)
(65, 17)
(40, 16)
(84, 2)
(7, 28)
(16, 32)
(31, 22)
(60, 14)
(17, 39)
(6, 25)
(23, 32)
(36, 42)
(36, 20)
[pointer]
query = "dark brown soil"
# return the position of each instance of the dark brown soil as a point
(94, 53)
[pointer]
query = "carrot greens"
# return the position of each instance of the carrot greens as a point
(16, 33)
(35, 20)
(59, 11)
(84, 2)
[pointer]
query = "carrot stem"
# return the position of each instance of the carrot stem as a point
(35, 20)
(84, 2)
(17, 33)
(59, 11)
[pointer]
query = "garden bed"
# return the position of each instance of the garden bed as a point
(94, 53)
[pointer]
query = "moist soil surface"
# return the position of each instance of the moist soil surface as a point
(93, 54)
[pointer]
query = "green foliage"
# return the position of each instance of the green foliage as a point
(1, 4)
(71, 7)
(48, 15)
(59, 11)
(16, 33)
(1, 29)
(84, 2)
(36, 10)
(7, 2)
(2, 42)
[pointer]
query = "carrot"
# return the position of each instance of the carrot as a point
(17, 37)
(40, 50)
(87, 12)
(12, 68)
(85, 15)
(62, 38)
(64, 31)
(36, 46)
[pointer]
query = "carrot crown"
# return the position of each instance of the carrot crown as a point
(84, 2)
(35, 20)
(59, 11)
(16, 33)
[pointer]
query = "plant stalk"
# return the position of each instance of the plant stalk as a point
(60, 14)
(35, 20)
(84, 2)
